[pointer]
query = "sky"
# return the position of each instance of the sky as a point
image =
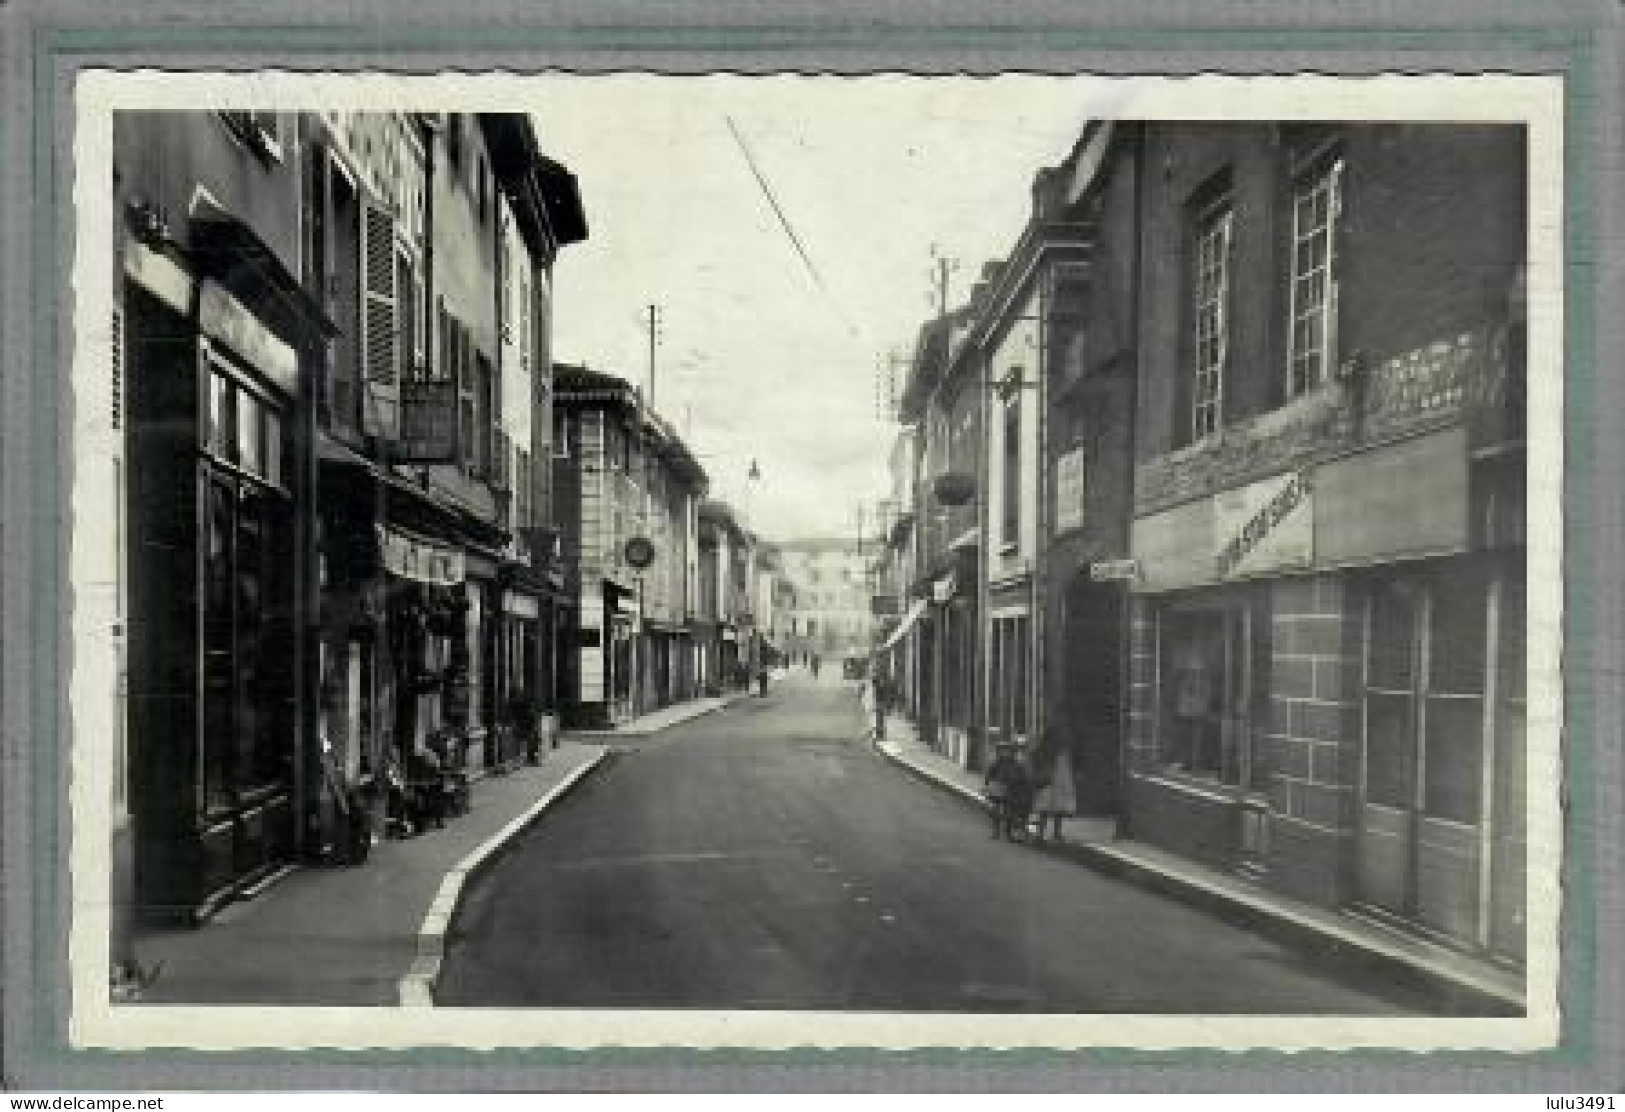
(770, 351)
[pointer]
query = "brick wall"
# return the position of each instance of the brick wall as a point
(1313, 734)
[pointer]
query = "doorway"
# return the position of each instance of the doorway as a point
(1092, 692)
(1443, 737)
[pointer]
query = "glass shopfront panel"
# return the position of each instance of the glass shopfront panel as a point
(1426, 824)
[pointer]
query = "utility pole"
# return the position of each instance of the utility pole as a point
(652, 326)
(886, 384)
(945, 266)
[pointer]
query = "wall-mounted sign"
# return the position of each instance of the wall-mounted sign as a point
(520, 605)
(1114, 571)
(222, 317)
(419, 560)
(1069, 490)
(883, 604)
(639, 552)
(1265, 525)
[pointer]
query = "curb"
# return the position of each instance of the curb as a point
(1349, 950)
(416, 988)
(579, 735)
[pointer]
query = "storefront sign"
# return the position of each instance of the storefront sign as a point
(1265, 525)
(159, 275)
(942, 590)
(223, 318)
(419, 560)
(1406, 499)
(1114, 571)
(522, 606)
(1069, 490)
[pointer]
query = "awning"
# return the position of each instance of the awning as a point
(913, 615)
(420, 559)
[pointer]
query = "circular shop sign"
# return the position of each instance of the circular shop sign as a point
(639, 552)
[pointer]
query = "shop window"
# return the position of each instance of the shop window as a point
(250, 433)
(1454, 715)
(1316, 209)
(220, 438)
(1211, 315)
(1214, 663)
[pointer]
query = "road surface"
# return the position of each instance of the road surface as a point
(765, 856)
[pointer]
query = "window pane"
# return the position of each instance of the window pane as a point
(219, 723)
(1453, 758)
(1456, 652)
(1388, 757)
(249, 434)
(1392, 664)
(1193, 696)
(273, 447)
(222, 417)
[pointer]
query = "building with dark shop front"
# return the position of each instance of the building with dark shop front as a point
(319, 319)
(1328, 624)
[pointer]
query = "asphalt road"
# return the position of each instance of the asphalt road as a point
(765, 856)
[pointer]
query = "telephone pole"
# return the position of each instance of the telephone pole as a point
(652, 325)
(939, 279)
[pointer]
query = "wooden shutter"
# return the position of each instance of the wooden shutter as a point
(380, 323)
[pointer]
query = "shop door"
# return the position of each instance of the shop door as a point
(1093, 697)
(1420, 806)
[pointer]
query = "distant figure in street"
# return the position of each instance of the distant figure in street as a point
(815, 663)
(761, 680)
(1008, 787)
(879, 698)
(1057, 795)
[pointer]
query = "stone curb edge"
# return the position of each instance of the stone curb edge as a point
(416, 988)
(593, 735)
(1286, 928)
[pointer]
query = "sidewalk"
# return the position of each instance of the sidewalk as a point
(661, 719)
(350, 936)
(1093, 842)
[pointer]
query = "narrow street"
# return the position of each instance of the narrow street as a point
(766, 857)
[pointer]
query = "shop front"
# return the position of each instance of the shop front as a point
(213, 697)
(1327, 686)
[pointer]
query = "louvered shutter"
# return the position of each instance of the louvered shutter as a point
(380, 323)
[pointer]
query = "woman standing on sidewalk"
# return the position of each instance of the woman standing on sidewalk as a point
(1057, 795)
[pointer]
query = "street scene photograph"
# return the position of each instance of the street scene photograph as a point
(810, 544)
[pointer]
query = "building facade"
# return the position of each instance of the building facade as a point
(833, 601)
(275, 277)
(1327, 647)
(626, 493)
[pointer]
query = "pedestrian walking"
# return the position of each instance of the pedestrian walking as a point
(1008, 787)
(761, 681)
(815, 663)
(1056, 797)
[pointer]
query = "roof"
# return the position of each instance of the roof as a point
(574, 382)
(545, 192)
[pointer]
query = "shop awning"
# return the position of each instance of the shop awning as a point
(913, 615)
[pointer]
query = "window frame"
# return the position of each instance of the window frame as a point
(1213, 221)
(1323, 170)
(1010, 485)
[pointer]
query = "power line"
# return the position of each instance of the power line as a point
(784, 222)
